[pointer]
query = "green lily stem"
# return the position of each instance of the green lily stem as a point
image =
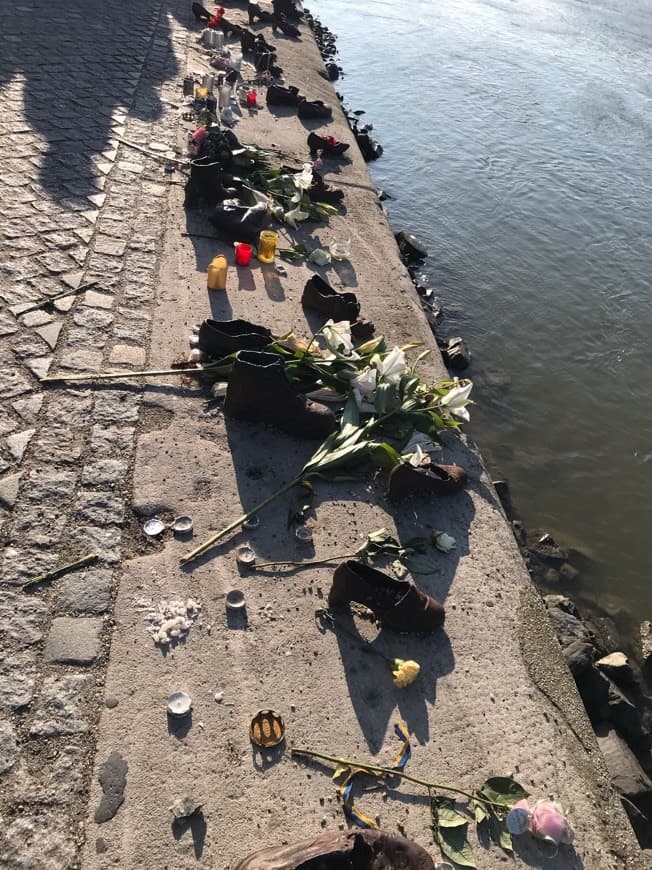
(50, 299)
(388, 771)
(309, 562)
(57, 572)
(208, 544)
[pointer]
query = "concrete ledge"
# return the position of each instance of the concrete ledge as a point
(494, 696)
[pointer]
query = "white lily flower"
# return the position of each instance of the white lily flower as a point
(319, 257)
(392, 367)
(443, 542)
(338, 337)
(291, 217)
(303, 180)
(416, 458)
(457, 399)
(364, 389)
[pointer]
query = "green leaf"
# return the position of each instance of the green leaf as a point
(449, 817)
(385, 393)
(418, 563)
(384, 455)
(455, 845)
(480, 814)
(503, 790)
(424, 421)
(419, 545)
(407, 386)
(351, 413)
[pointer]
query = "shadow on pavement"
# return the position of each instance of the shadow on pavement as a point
(77, 67)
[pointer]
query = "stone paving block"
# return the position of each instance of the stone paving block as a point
(74, 640)
(8, 746)
(116, 407)
(85, 591)
(22, 563)
(9, 484)
(20, 620)
(8, 325)
(98, 300)
(103, 541)
(55, 787)
(82, 361)
(28, 343)
(129, 355)
(104, 472)
(39, 366)
(83, 338)
(35, 318)
(50, 333)
(57, 446)
(12, 383)
(17, 673)
(58, 708)
(50, 485)
(28, 408)
(42, 842)
(108, 245)
(92, 317)
(38, 524)
(100, 508)
(111, 440)
(17, 443)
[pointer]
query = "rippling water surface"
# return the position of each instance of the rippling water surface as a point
(517, 139)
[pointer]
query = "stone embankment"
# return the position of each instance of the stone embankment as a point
(90, 761)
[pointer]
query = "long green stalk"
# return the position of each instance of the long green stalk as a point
(389, 771)
(118, 376)
(309, 562)
(208, 544)
(50, 299)
(57, 572)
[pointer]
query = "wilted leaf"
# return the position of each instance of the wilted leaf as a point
(418, 563)
(454, 845)
(447, 815)
(503, 790)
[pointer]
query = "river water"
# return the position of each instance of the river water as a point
(517, 138)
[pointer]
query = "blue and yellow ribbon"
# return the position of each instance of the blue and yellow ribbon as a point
(399, 763)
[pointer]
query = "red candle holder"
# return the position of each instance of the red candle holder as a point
(251, 100)
(243, 254)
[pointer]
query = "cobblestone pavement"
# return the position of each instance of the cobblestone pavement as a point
(77, 206)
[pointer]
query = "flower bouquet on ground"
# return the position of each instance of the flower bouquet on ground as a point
(383, 403)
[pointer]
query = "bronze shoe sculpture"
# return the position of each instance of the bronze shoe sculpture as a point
(342, 850)
(260, 392)
(398, 604)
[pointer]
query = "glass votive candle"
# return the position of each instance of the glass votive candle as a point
(242, 254)
(267, 246)
(340, 249)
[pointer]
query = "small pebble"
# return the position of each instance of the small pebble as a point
(111, 701)
(219, 697)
